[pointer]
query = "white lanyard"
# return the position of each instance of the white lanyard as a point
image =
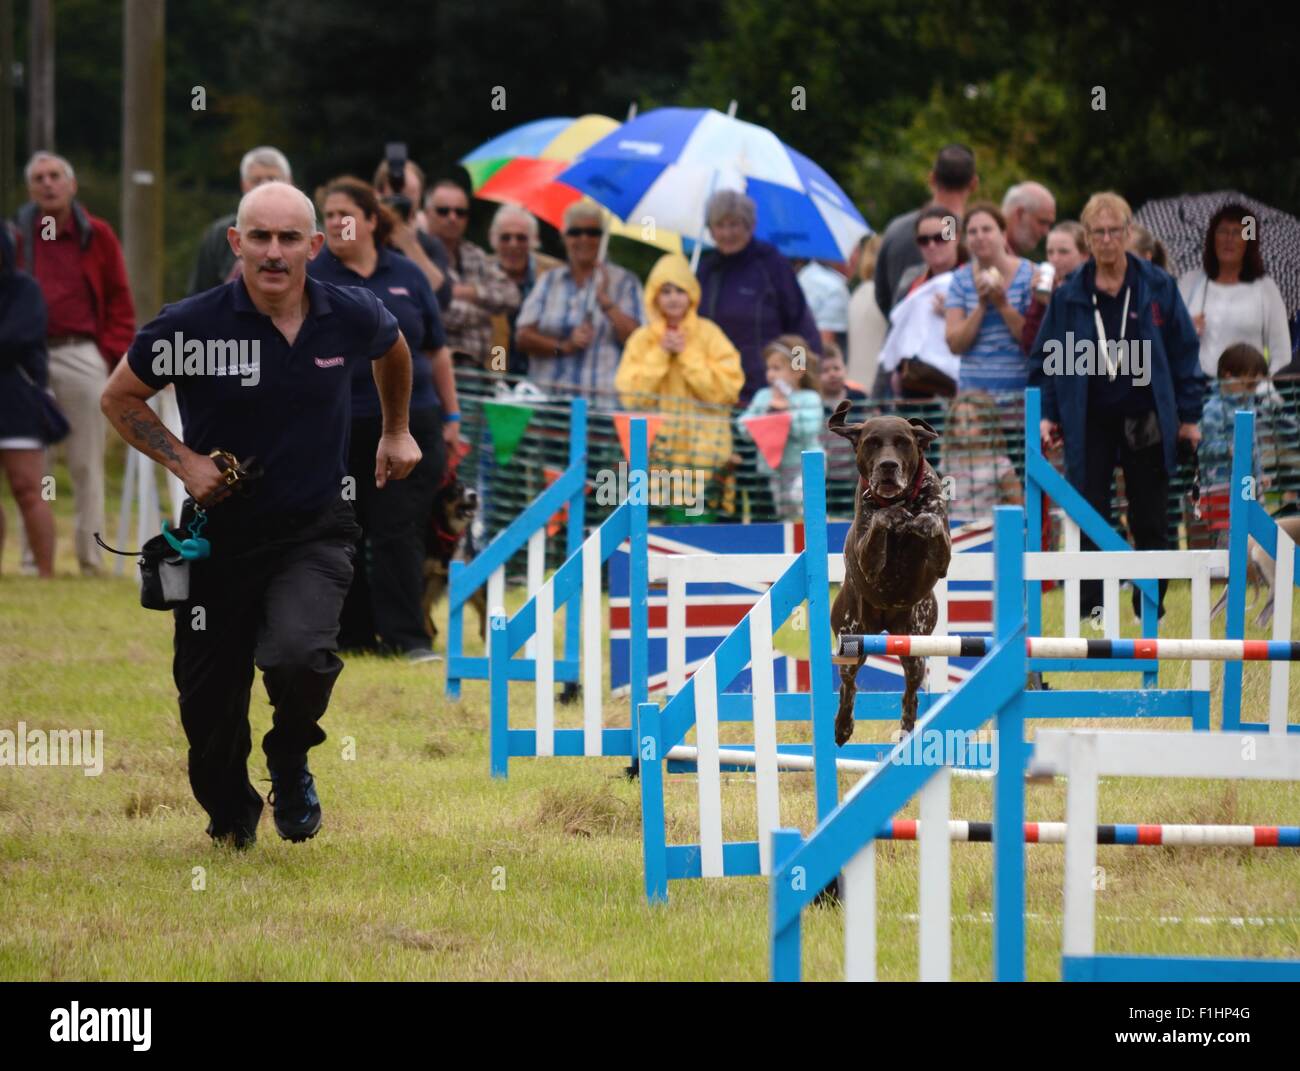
(1112, 363)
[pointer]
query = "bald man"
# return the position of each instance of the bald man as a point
(1030, 211)
(262, 368)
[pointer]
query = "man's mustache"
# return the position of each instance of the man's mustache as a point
(273, 265)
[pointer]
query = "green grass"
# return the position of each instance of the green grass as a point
(97, 875)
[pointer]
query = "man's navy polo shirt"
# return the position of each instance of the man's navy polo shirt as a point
(406, 293)
(296, 417)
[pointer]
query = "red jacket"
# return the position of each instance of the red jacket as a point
(104, 271)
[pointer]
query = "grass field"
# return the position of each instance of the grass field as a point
(428, 869)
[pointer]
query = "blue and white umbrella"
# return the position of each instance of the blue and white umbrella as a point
(664, 165)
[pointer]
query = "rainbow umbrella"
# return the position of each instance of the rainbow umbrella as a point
(519, 167)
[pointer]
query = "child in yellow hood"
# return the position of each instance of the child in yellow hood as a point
(683, 366)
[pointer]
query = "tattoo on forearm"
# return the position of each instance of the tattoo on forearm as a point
(149, 435)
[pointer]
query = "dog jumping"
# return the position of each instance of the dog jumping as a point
(896, 550)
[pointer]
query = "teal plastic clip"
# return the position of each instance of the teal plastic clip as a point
(196, 546)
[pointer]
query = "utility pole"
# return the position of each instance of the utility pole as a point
(40, 78)
(142, 151)
(7, 117)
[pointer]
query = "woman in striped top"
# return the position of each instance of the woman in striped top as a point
(986, 306)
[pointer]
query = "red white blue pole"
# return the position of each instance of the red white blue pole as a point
(852, 647)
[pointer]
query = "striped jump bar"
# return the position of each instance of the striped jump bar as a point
(1054, 833)
(852, 647)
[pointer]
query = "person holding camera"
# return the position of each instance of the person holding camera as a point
(384, 599)
(262, 368)
(399, 182)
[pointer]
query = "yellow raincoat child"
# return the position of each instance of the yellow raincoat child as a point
(682, 366)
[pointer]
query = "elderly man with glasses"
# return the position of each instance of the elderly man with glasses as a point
(479, 288)
(1118, 361)
(513, 237)
(578, 316)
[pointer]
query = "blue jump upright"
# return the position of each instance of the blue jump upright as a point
(577, 583)
(1247, 520)
(662, 730)
(994, 690)
(467, 578)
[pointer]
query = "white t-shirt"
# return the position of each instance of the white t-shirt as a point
(827, 295)
(1244, 312)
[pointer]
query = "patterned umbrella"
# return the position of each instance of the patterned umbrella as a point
(519, 167)
(1181, 223)
(665, 165)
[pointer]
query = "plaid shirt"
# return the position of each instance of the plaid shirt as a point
(469, 323)
(557, 305)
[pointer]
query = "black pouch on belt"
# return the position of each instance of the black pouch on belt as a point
(164, 576)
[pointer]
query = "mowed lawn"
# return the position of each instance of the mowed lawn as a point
(426, 868)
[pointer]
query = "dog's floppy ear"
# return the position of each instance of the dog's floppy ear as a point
(837, 425)
(923, 433)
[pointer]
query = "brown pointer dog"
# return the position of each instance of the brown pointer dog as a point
(896, 549)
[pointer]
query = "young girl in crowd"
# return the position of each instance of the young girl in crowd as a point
(792, 387)
(976, 472)
(841, 461)
(682, 365)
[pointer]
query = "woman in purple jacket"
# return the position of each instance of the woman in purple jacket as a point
(748, 288)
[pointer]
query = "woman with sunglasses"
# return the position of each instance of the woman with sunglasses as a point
(916, 322)
(578, 316)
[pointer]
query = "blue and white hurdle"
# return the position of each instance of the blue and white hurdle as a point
(1249, 520)
(489, 565)
(1083, 756)
(844, 842)
(579, 576)
(701, 702)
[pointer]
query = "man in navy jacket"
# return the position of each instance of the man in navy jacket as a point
(1118, 362)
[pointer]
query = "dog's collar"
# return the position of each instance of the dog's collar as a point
(908, 496)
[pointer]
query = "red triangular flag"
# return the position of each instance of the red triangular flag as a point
(622, 424)
(770, 434)
(561, 516)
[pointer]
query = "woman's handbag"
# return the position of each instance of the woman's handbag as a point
(921, 378)
(54, 425)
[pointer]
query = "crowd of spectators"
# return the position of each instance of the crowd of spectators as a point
(949, 306)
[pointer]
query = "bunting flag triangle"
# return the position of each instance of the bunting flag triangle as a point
(623, 425)
(507, 422)
(770, 434)
(561, 516)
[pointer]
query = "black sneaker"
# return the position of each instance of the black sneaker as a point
(296, 805)
(239, 833)
(238, 838)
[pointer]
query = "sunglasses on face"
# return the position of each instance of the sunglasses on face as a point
(925, 239)
(447, 210)
(583, 232)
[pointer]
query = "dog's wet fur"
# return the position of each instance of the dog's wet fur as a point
(896, 550)
(448, 537)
